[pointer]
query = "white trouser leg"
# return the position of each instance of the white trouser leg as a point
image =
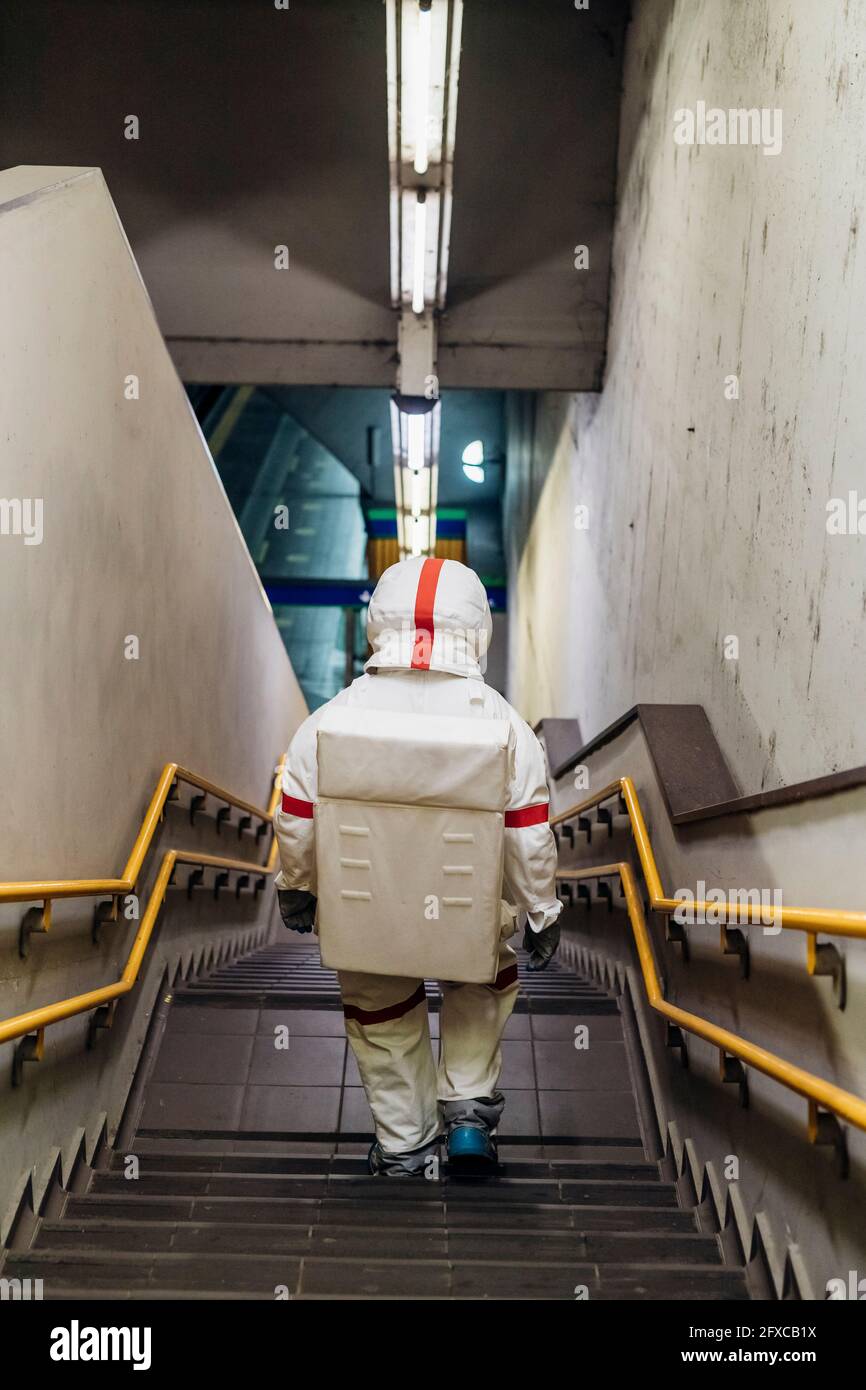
(387, 1027)
(471, 1025)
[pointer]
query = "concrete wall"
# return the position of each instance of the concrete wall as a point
(707, 515)
(137, 541)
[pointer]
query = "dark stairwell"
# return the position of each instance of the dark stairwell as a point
(250, 1178)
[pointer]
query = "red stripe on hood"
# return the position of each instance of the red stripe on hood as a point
(425, 599)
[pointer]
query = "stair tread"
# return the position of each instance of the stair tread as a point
(314, 1238)
(282, 1211)
(360, 1277)
(108, 1179)
(339, 1165)
(613, 1220)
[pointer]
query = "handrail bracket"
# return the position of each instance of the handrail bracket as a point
(823, 958)
(732, 1072)
(36, 921)
(101, 1017)
(735, 943)
(31, 1048)
(104, 912)
(675, 1039)
(824, 1129)
(675, 933)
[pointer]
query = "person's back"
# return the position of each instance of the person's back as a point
(429, 626)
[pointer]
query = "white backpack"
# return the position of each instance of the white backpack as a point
(409, 842)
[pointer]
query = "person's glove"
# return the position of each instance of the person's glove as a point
(297, 909)
(542, 945)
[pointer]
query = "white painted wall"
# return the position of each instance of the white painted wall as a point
(138, 539)
(707, 516)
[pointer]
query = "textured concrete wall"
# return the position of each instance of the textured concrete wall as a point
(707, 515)
(136, 540)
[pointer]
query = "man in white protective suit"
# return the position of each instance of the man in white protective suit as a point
(429, 626)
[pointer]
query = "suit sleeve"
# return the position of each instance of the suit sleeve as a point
(294, 822)
(530, 849)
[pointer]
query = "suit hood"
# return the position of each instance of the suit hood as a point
(429, 615)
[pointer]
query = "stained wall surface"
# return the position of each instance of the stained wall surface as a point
(707, 514)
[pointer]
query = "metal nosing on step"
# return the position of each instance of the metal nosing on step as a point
(277, 1136)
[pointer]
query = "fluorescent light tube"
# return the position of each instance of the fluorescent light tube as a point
(420, 254)
(416, 451)
(421, 79)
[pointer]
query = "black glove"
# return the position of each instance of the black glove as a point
(541, 945)
(297, 909)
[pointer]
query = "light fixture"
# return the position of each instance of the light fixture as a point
(473, 461)
(416, 432)
(421, 81)
(423, 44)
(415, 439)
(423, 41)
(420, 253)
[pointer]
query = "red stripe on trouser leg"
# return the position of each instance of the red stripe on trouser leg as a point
(294, 806)
(425, 599)
(527, 815)
(471, 1023)
(393, 1011)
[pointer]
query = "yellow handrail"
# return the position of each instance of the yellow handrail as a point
(817, 1091)
(806, 919)
(36, 1020)
(46, 889)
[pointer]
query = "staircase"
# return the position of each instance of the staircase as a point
(240, 1169)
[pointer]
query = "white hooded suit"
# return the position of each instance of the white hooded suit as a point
(429, 626)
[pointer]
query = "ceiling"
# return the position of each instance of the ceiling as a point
(261, 127)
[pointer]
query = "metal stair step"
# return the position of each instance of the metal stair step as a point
(482, 1216)
(316, 1165)
(152, 1228)
(62, 1272)
(378, 1242)
(259, 997)
(557, 1247)
(474, 1279)
(136, 1269)
(372, 1191)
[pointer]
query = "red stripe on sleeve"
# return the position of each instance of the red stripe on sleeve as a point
(527, 815)
(425, 599)
(294, 806)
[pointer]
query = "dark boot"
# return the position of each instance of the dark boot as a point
(413, 1164)
(469, 1125)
